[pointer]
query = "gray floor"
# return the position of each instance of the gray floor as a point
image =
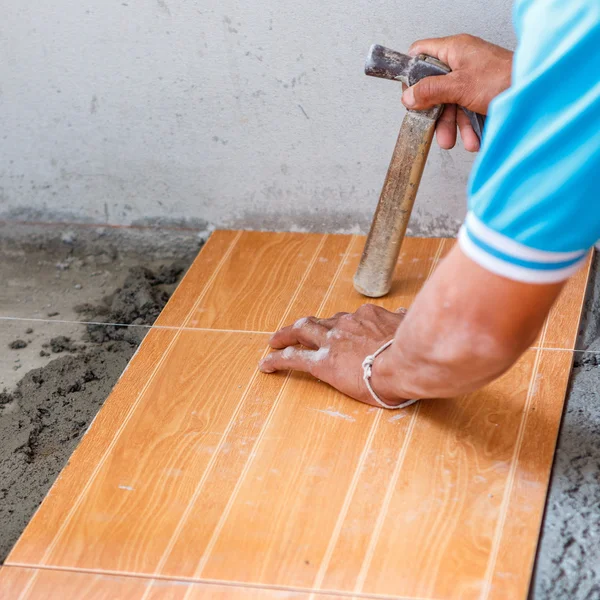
(54, 384)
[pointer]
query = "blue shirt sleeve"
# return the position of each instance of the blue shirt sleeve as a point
(534, 199)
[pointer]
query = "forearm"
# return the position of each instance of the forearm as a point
(465, 328)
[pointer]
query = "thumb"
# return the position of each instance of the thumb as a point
(430, 91)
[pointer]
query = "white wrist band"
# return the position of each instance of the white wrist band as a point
(368, 371)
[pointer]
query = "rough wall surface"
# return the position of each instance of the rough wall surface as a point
(250, 114)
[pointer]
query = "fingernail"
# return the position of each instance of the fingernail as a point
(261, 367)
(408, 98)
(413, 52)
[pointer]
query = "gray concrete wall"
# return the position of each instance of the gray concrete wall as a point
(252, 114)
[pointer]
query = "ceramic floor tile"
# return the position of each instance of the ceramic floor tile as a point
(83, 464)
(46, 584)
(37, 584)
(146, 478)
(260, 281)
(416, 262)
(446, 496)
(523, 502)
(198, 278)
(200, 468)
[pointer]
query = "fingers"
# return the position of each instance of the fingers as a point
(292, 359)
(331, 321)
(467, 133)
(436, 47)
(446, 127)
(446, 48)
(430, 91)
(308, 332)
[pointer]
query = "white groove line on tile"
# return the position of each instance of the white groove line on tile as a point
(213, 582)
(368, 558)
(126, 419)
(250, 331)
(302, 281)
(213, 459)
(149, 327)
(337, 275)
(370, 552)
(219, 527)
(318, 581)
(508, 486)
(351, 489)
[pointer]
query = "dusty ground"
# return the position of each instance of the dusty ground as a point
(59, 372)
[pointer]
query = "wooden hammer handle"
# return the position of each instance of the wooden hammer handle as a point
(374, 275)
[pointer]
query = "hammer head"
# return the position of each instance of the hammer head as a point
(389, 64)
(374, 274)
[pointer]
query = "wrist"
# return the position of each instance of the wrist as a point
(384, 378)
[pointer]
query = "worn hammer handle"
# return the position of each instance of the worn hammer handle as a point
(374, 275)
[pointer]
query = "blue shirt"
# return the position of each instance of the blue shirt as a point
(534, 192)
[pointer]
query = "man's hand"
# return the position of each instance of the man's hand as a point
(480, 71)
(334, 349)
(465, 328)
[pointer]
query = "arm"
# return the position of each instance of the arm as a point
(465, 328)
(533, 214)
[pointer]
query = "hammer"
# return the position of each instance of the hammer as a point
(373, 277)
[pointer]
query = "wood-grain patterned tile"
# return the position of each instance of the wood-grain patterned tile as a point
(73, 479)
(340, 569)
(286, 493)
(204, 511)
(146, 481)
(415, 263)
(320, 280)
(254, 287)
(18, 583)
(440, 515)
(198, 278)
(510, 564)
(200, 468)
(298, 408)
